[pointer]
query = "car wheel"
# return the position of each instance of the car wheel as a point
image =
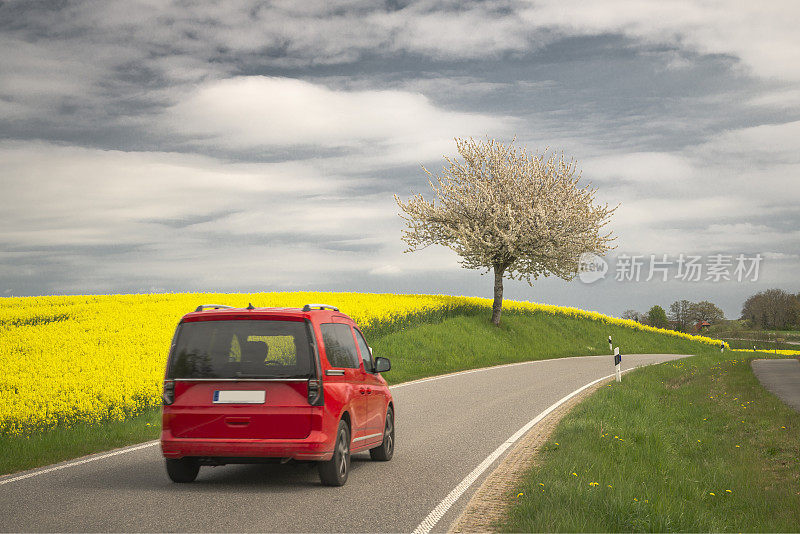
(334, 471)
(385, 451)
(183, 469)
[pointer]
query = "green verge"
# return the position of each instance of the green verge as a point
(420, 346)
(59, 444)
(695, 445)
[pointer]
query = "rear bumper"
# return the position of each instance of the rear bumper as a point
(316, 446)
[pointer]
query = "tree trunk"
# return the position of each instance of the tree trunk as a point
(497, 306)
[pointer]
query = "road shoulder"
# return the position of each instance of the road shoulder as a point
(490, 503)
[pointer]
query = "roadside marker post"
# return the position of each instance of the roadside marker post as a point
(617, 362)
(610, 346)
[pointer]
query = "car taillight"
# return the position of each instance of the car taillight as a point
(315, 392)
(168, 393)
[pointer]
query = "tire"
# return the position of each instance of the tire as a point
(385, 451)
(183, 470)
(334, 472)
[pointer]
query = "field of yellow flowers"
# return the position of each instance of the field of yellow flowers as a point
(69, 359)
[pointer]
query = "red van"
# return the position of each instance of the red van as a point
(252, 385)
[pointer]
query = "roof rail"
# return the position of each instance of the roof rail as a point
(215, 306)
(309, 307)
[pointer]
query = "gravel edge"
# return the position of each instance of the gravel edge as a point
(492, 500)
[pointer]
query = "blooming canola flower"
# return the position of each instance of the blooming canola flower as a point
(95, 358)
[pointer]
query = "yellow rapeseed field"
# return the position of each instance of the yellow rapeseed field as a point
(68, 359)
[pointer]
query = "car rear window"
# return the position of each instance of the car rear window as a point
(240, 349)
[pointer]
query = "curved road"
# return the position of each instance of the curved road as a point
(446, 426)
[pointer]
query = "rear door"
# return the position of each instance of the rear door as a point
(240, 379)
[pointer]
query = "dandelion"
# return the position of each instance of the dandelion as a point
(541, 484)
(728, 491)
(737, 446)
(635, 499)
(712, 493)
(783, 427)
(698, 441)
(594, 484)
(574, 474)
(610, 486)
(556, 443)
(520, 495)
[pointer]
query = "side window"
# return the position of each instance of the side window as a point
(339, 345)
(363, 348)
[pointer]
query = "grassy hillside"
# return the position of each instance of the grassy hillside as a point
(469, 341)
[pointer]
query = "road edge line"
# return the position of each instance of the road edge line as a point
(73, 463)
(489, 368)
(438, 512)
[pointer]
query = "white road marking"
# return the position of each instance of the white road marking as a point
(77, 462)
(470, 371)
(437, 513)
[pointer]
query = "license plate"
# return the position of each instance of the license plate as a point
(228, 396)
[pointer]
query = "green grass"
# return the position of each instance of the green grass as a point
(740, 336)
(469, 341)
(658, 445)
(59, 444)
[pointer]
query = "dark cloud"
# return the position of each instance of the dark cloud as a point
(190, 220)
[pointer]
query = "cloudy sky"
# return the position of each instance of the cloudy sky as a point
(150, 146)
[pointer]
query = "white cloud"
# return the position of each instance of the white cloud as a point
(55, 195)
(386, 270)
(786, 99)
(763, 37)
(258, 112)
(111, 217)
(780, 256)
(638, 167)
(780, 143)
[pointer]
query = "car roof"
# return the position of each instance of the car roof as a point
(239, 314)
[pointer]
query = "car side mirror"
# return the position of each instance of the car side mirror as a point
(382, 365)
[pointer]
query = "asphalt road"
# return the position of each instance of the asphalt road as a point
(781, 377)
(445, 428)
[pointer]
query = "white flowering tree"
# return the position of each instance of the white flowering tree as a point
(522, 216)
